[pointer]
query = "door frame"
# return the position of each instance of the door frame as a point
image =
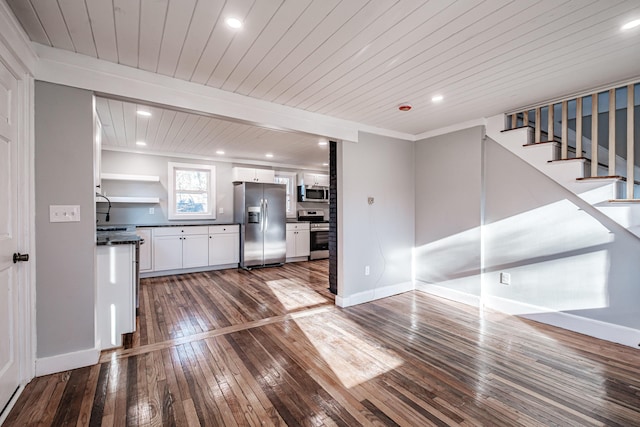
(25, 236)
(17, 55)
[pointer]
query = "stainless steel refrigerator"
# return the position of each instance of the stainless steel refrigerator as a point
(260, 209)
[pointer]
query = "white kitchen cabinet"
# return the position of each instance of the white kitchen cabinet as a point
(316, 180)
(145, 250)
(239, 174)
(180, 247)
(116, 302)
(195, 251)
(298, 239)
(224, 244)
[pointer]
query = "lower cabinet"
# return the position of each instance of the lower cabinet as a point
(298, 240)
(116, 306)
(176, 248)
(224, 244)
(180, 247)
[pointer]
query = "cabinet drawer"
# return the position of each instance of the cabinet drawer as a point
(180, 231)
(224, 229)
(297, 226)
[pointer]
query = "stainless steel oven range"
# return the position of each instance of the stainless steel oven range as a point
(319, 233)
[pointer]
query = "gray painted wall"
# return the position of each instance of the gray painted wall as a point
(448, 216)
(145, 164)
(378, 235)
(562, 254)
(65, 268)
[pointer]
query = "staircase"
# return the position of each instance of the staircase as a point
(605, 193)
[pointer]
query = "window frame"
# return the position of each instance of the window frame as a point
(292, 176)
(172, 213)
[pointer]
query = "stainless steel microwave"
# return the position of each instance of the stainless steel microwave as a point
(313, 194)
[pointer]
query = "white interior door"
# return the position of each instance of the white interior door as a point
(9, 343)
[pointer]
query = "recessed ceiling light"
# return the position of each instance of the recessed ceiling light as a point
(269, 155)
(220, 152)
(437, 98)
(141, 143)
(143, 113)
(631, 24)
(322, 143)
(234, 23)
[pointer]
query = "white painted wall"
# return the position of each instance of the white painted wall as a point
(379, 235)
(448, 211)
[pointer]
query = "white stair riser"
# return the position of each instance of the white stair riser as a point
(597, 192)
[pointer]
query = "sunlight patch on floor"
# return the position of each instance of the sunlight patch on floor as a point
(352, 359)
(292, 295)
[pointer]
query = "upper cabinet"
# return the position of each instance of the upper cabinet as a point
(252, 175)
(315, 179)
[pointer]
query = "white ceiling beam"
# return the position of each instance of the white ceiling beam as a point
(71, 69)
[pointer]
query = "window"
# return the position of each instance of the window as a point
(191, 191)
(288, 178)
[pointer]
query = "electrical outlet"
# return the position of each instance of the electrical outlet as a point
(505, 278)
(367, 270)
(64, 213)
(152, 211)
(220, 210)
(370, 200)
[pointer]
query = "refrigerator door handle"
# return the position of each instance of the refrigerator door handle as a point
(261, 215)
(266, 214)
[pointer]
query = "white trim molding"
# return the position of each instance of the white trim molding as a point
(374, 294)
(67, 361)
(17, 54)
(450, 129)
(448, 293)
(582, 325)
(16, 49)
(72, 69)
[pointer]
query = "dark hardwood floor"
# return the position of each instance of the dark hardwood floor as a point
(268, 347)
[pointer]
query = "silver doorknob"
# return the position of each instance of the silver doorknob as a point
(20, 257)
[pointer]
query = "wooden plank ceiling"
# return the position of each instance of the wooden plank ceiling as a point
(359, 59)
(168, 131)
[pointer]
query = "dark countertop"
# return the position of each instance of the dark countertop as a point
(116, 235)
(182, 225)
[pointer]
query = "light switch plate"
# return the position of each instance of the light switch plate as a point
(505, 278)
(64, 213)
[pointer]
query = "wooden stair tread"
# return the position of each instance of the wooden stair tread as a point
(532, 144)
(624, 200)
(618, 177)
(569, 159)
(518, 128)
(622, 178)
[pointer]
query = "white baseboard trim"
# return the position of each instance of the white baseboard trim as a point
(147, 274)
(67, 361)
(594, 328)
(448, 293)
(374, 294)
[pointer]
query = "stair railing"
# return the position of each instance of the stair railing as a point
(570, 121)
